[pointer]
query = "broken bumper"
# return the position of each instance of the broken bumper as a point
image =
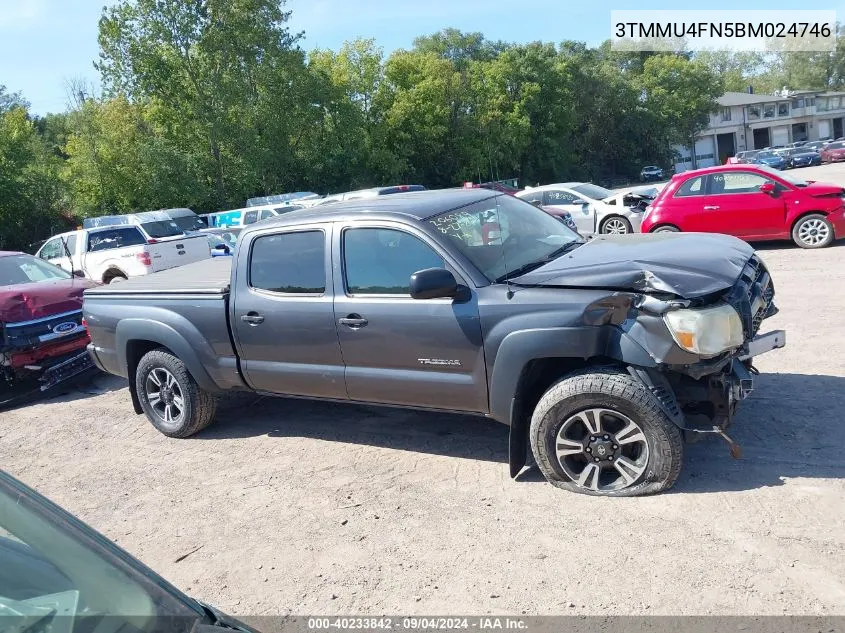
(740, 380)
(66, 369)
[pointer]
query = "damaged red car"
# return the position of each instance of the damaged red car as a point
(42, 336)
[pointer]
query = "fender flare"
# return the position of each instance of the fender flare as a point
(521, 347)
(165, 335)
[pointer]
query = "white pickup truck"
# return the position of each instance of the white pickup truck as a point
(117, 252)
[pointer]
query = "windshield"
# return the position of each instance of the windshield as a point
(838, 145)
(592, 191)
(504, 236)
(790, 178)
(189, 223)
(26, 269)
(54, 571)
(162, 228)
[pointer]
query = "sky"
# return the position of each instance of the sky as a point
(46, 43)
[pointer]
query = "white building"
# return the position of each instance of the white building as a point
(748, 121)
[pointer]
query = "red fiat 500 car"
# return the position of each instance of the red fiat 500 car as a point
(752, 202)
(833, 152)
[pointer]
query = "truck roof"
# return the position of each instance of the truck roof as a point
(417, 205)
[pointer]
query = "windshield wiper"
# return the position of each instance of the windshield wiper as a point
(527, 268)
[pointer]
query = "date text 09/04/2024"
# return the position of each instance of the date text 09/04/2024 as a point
(486, 623)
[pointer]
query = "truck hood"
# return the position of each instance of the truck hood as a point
(687, 265)
(26, 302)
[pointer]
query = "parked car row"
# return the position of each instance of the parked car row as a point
(797, 154)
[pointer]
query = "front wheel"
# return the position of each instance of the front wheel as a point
(813, 231)
(667, 228)
(601, 432)
(616, 225)
(173, 401)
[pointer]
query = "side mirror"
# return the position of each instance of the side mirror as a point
(537, 203)
(581, 201)
(767, 187)
(433, 283)
(79, 273)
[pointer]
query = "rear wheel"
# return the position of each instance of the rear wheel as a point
(616, 225)
(173, 401)
(813, 231)
(113, 276)
(601, 432)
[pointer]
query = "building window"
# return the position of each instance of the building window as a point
(798, 104)
(811, 102)
(783, 109)
(754, 112)
(821, 105)
(726, 114)
(834, 103)
(769, 111)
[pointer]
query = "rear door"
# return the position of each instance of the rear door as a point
(399, 350)
(735, 205)
(282, 314)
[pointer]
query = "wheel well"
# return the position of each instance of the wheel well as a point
(541, 373)
(113, 272)
(660, 226)
(804, 214)
(611, 217)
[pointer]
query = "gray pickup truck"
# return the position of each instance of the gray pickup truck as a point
(603, 356)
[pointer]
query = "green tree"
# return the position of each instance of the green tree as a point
(205, 64)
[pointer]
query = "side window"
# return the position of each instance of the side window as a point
(250, 217)
(692, 187)
(292, 263)
(52, 249)
(559, 197)
(533, 197)
(736, 182)
(381, 261)
(267, 213)
(115, 238)
(71, 244)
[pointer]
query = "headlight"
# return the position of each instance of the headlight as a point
(707, 331)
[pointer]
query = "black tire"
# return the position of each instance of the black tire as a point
(666, 228)
(616, 218)
(803, 237)
(198, 407)
(615, 392)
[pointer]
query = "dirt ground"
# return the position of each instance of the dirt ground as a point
(295, 507)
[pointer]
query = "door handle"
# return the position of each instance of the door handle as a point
(253, 318)
(353, 321)
(711, 207)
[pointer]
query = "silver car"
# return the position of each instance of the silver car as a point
(594, 209)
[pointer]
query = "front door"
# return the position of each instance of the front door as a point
(282, 315)
(583, 215)
(735, 205)
(54, 252)
(399, 350)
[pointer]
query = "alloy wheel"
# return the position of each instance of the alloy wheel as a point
(165, 396)
(813, 232)
(615, 226)
(602, 450)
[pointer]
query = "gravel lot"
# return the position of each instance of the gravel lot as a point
(296, 507)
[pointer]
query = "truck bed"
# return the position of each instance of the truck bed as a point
(209, 276)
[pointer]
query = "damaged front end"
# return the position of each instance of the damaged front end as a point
(38, 354)
(700, 390)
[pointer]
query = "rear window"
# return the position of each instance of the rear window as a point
(691, 187)
(162, 229)
(291, 263)
(190, 223)
(115, 238)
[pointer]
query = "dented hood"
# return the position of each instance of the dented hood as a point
(25, 302)
(687, 265)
